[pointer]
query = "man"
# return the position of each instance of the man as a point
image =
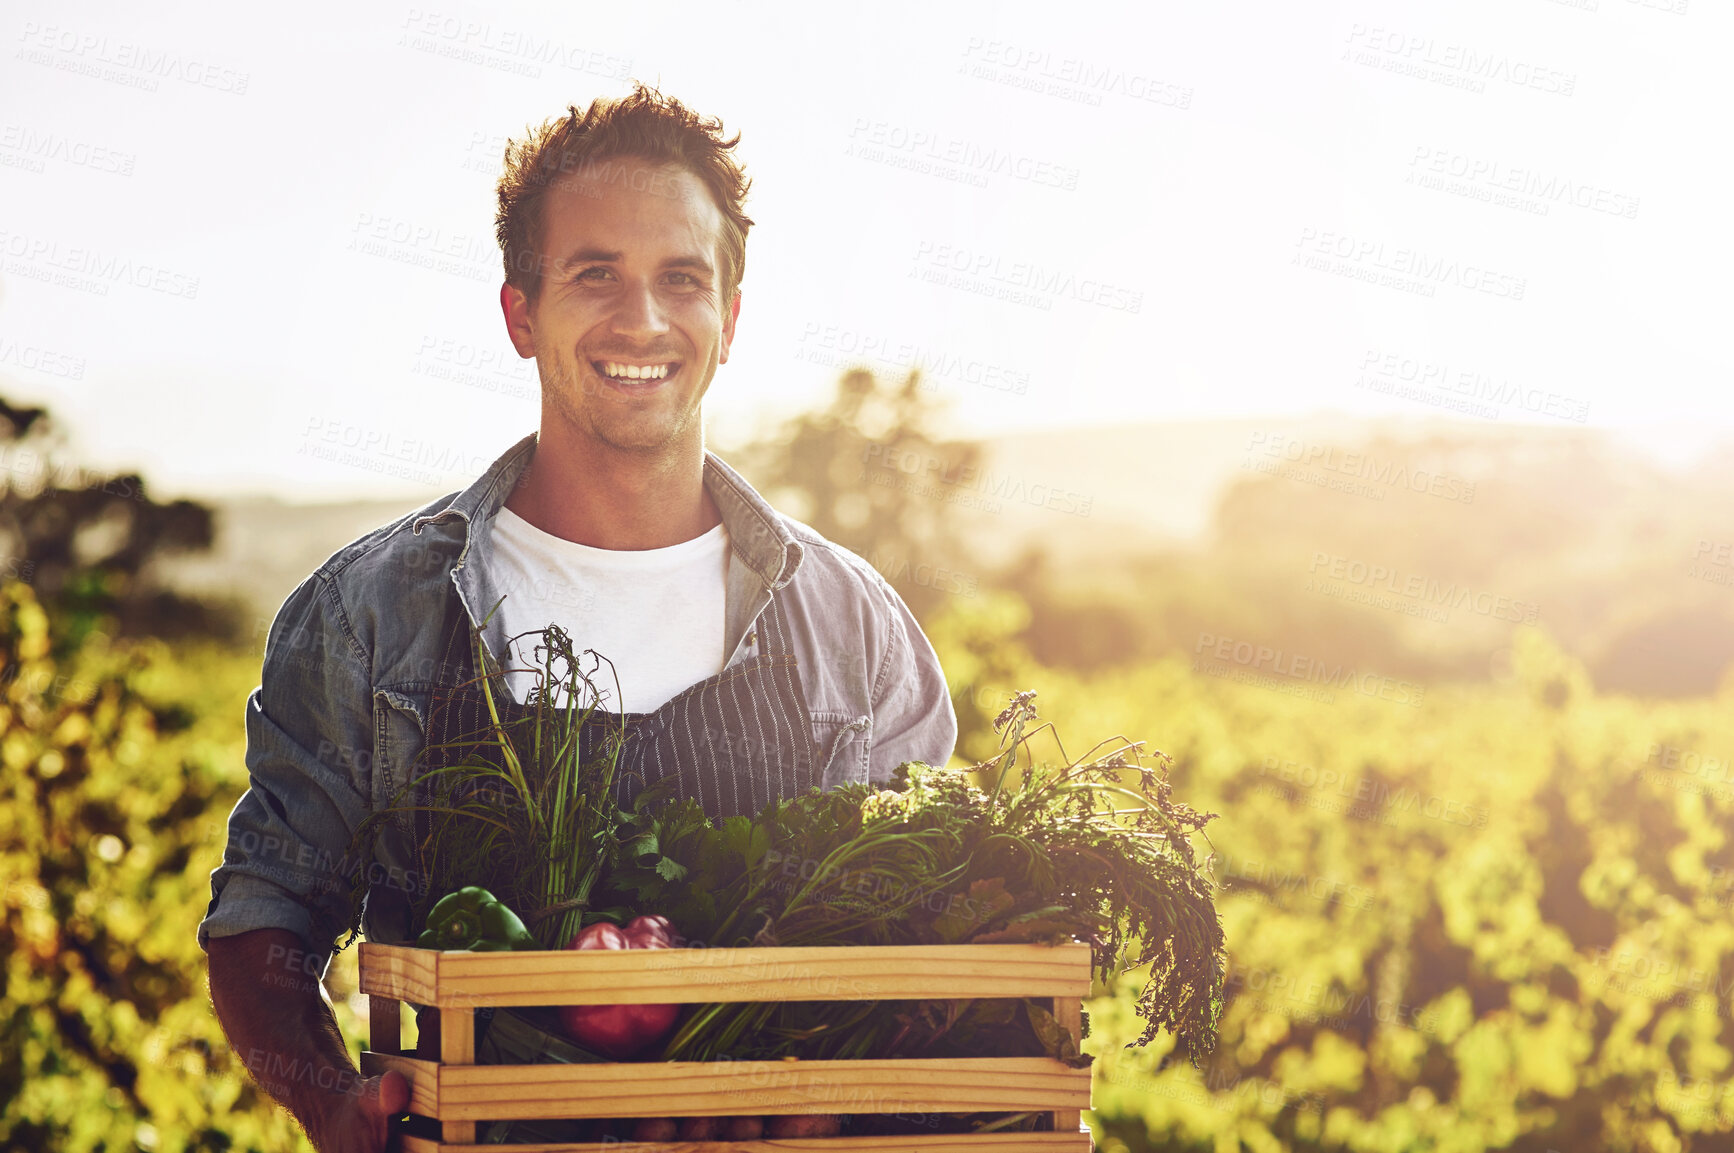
(758, 657)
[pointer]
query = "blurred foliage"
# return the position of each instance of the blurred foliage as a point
(1499, 919)
(856, 471)
(119, 761)
(119, 764)
(1563, 528)
(85, 542)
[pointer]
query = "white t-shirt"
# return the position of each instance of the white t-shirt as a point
(657, 614)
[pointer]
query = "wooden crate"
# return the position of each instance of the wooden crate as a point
(457, 1092)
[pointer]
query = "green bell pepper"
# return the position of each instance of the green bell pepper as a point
(474, 919)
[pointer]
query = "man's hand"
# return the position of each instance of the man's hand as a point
(265, 988)
(361, 1121)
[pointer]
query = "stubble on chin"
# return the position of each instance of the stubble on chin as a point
(577, 404)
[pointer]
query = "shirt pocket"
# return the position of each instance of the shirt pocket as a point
(840, 744)
(394, 882)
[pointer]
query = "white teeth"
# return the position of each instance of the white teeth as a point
(634, 372)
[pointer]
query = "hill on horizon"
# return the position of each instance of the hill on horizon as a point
(1423, 535)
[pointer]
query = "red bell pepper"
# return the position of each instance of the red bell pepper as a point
(653, 931)
(621, 1031)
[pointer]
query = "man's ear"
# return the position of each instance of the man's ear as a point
(516, 308)
(728, 328)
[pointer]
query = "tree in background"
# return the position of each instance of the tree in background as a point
(118, 763)
(870, 471)
(85, 542)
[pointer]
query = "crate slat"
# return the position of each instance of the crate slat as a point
(461, 980)
(457, 1051)
(462, 1093)
(938, 1142)
(400, 971)
(1069, 1015)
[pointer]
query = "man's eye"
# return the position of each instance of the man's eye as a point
(585, 275)
(686, 279)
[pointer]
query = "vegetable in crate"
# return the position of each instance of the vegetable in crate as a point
(473, 918)
(653, 931)
(524, 807)
(621, 1031)
(1093, 848)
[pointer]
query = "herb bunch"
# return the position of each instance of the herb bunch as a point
(1095, 849)
(525, 807)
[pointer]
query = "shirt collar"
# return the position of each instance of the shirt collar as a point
(757, 534)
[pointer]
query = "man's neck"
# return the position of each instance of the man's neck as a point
(604, 497)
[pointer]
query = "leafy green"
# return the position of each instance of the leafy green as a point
(1093, 850)
(1015, 850)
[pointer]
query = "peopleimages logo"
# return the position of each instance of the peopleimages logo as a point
(1396, 266)
(1376, 578)
(1325, 1005)
(90, 269)
(1365, 797)
(889, 461)
(516, 50)
(1358, 466)
(1528, 185)
(1021, 281)
(1066, 77)
(125, 62)
(1385, 371)
(1691, 762)
(1266, 879)
(1713, 562)
(838, 346)
(1429, 58)
(39, 359)
(36, 148)
(1229, 653)
(885, 141)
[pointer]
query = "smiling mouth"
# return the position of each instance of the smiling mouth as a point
(625, 373)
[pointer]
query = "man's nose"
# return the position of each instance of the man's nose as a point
(639, 314)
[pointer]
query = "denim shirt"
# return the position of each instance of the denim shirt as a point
(340, 716)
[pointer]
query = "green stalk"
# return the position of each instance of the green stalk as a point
(510, 754)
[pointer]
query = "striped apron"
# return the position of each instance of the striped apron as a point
(736, 741)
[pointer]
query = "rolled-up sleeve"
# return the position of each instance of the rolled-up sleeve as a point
(287, 863)
(913, 718)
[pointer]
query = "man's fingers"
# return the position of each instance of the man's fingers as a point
(388, 1094)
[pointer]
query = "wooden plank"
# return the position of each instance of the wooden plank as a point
(736, 1088)
(703, 976)
(938, 1142)
(423, 1078)
(384, 1024)
(1069, 1014)
(457, 1053)
(400, 971)
(425, 1095)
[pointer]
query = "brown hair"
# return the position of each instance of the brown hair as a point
(644, 125)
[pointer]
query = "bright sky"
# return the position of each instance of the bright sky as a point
(233, 236)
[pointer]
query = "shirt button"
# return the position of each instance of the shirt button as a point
(752, 638)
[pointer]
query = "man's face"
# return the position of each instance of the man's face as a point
(630, 323)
